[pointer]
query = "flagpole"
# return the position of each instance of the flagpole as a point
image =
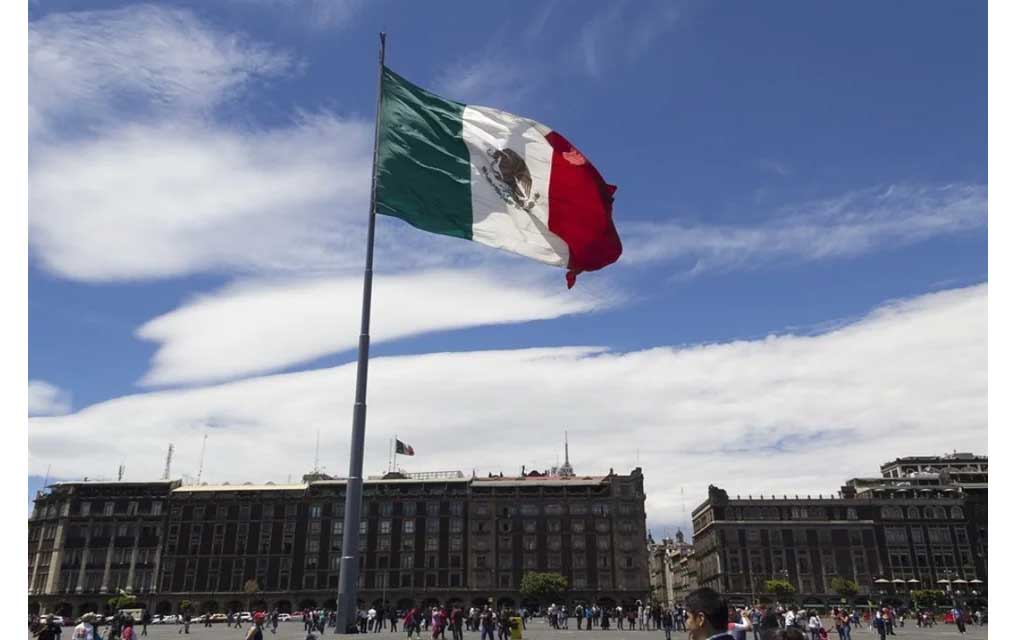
(345, 615)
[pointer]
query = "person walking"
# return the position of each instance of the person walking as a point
(814, 625)
(668, 623)
(255, 632)
(487, 620)
(960, 622)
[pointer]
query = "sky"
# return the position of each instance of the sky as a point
(802, 200)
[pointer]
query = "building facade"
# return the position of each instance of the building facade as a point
(665, 568)
(921, 524)
(438, 537)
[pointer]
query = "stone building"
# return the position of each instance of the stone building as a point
(89, 539)
(921, 524)
(665, 568)
(432, 537)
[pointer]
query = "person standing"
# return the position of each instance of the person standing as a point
(48, 629)
(85, 629)
(668, 623)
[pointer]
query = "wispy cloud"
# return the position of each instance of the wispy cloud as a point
(95, 67)
(45, 399)
(311, 14)
(239, 331)
(911, 376)
(851, 224)
(140, 201)
(622, 34)
(774, 166)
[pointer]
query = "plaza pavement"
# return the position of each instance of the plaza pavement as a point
(536, 630)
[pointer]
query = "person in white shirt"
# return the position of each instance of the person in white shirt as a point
(85, 630)
(814, 625)
(789, 618)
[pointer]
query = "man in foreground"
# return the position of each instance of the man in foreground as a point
(706, 615)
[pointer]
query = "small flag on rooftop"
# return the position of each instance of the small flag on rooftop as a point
(492, 177)
(404, 449)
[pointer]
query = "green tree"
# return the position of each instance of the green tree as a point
(122, 601)
(543, 587)
(782, 589)
(845, 587)
(926, 598)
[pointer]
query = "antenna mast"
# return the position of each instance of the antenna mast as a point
(169, 460)
(201, 462)
(120, 470)
(317, 453)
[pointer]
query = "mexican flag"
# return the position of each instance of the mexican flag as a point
(403, 449)
(489, 176)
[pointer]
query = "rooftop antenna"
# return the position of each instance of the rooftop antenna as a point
(317, 452)
(169, 460)
(201, 462)
(120, 470)
(45, 481)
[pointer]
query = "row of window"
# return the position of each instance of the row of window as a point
(935, 535)
(929, 512)
(554, 509)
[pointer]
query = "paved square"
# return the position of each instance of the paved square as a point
(536, 630)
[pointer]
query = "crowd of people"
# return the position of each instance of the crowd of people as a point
(700, 610)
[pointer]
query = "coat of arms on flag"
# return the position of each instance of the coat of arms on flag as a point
(403, 448)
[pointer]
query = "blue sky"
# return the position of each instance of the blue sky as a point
(798, 183)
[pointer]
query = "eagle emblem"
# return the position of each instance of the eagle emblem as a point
(508, 174)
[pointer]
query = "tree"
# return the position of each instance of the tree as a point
(782, 589)
(543, 587)
(845, 587)
(927, 598)
(122, 601)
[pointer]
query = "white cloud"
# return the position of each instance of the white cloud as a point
(96, 66)
(158, 201)
(785, 414)
(45, 399)
(259, 327)
(853, 223)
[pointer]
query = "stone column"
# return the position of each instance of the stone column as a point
(109, 562)
(153, 587)
(85, 553)
(134, 557)
(53, 580)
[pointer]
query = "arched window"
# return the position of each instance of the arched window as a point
(913, 513)
(929, 513)
(892, 513)
(940, 513)
(957, 513)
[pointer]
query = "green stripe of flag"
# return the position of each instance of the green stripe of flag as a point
(423, 171)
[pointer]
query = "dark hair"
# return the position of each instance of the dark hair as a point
(711, 604)
(790, 633)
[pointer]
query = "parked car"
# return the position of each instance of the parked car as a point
(284, 617)
(297, 616)
(170, 619)
(245, 616)
(218, 617)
